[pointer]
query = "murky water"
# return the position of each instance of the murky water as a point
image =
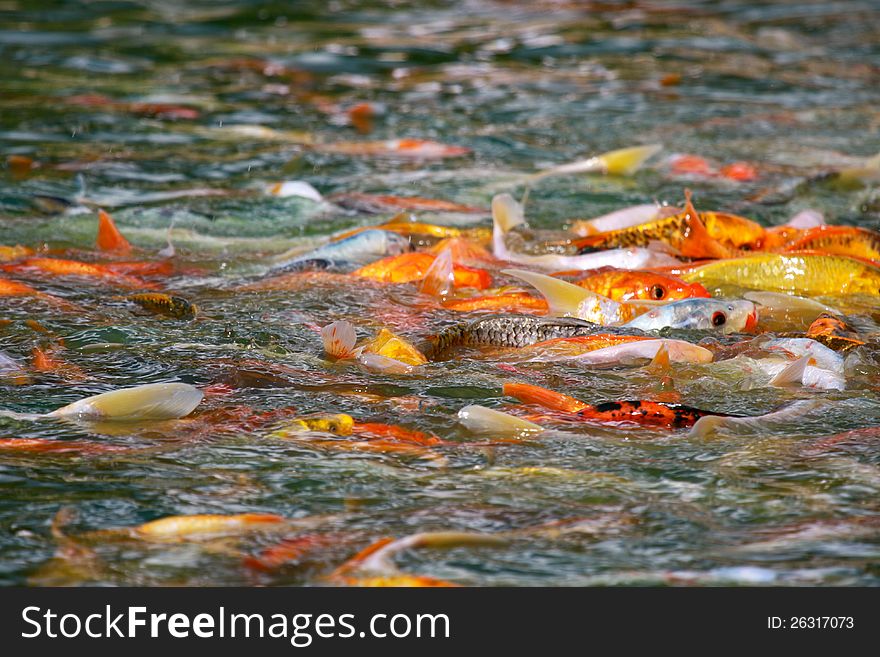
(792, 88)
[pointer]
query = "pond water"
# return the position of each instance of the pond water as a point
(133, 106)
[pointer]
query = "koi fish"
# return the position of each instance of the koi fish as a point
(418, 149)
(157, 110)
(8, 253)
(839, 240)
(374, 565)
(803, 274)
(199, 527)
(504, 331)
(620, 162)
(292, 551)
(360, 248)
(510, 302)
(607, 349)
(10, 288)
(620, 219)
(153, 401)
(53, 446)
(508, 220)
(565, 299)
(164, 304)
(645, 413)
(44, 360)
(689, 233)
(709, 426)
(60, 267)
(684, 165)
(409, 267)
(834, 333)
(625, 285)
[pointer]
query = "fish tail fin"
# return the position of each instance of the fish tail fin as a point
(793, 374)
(109, 237)
(440, 277)
(339, 339)
(480, 419)
(153, 401)
(564, 298)
(507, 214)
(530, 394)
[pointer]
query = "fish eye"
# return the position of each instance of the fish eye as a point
(658, 292)
(718, 318)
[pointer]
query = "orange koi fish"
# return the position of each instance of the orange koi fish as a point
(644, 413)
(8, 253)
(834, 333)
(109, 237)
(206, 525)
(396, 433)
(62, 267)
(409, 267)
(10, 288)
(623, 285)
(374, 566)
(292, 550)
(839, 240)
(50, 445)
(158, 110)
(511, 302)
(45, 360)
(694, 165)
(419, 149)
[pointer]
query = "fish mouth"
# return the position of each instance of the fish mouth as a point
(752, 321)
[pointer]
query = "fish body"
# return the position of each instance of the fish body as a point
(505, 331)
(361, 248)
(629, 348)
(164, 304)
(800, 273)
(839, 240)
(408, 267)
(61, 267)
(687, 233)
(646, 413)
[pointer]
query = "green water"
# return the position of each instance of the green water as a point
(790, 87)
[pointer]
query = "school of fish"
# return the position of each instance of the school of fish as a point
(310, 302)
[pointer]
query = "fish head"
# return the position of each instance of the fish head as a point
(719, 315)
(731, 316)
(656, 287)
